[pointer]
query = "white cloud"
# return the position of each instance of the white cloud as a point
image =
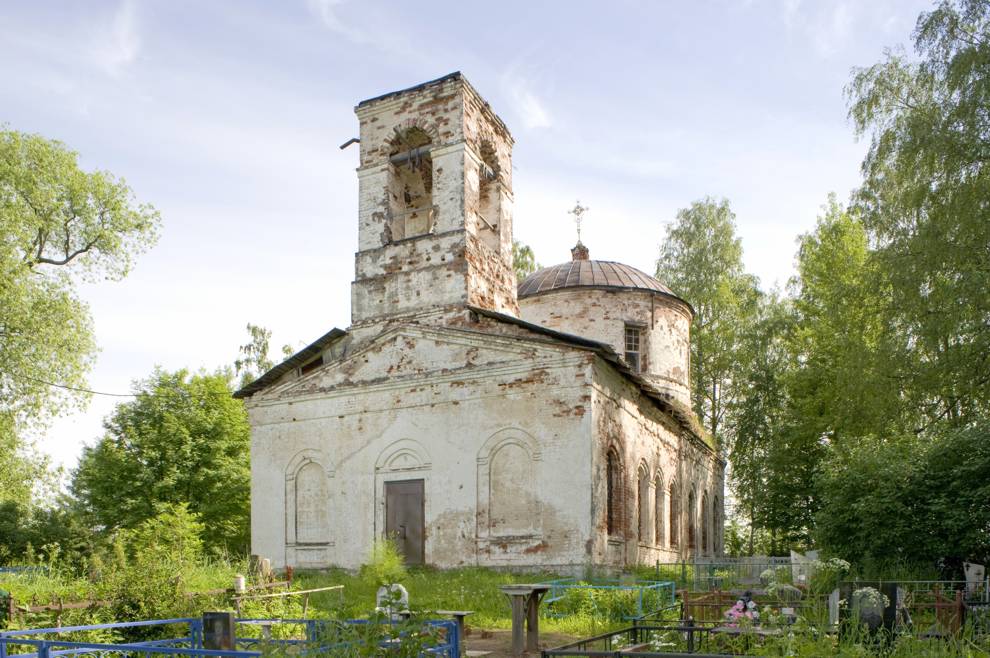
(119, 46)
(326, 11)
(531, 110)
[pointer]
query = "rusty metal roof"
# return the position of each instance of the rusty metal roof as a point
(589, 274)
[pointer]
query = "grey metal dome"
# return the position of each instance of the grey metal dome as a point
(584, 273)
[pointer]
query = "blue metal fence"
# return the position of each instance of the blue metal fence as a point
(311, 636)
(651, 596)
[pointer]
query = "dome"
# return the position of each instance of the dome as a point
(584, 273)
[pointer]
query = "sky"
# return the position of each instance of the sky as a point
(227, 117)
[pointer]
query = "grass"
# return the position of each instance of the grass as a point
(474, 589)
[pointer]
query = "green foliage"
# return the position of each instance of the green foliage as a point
(385, 565)
(908, 500)
(254, 360)
(923, 200)
(523, 260)
(701, 261)
(183, 440)
(58, 222)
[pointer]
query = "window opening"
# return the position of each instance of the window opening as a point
(705, 531)
(410, 186)
(658, 521)
(633, 342)
(612, 484)
(643, 510)
(675, 515)
(691, 513)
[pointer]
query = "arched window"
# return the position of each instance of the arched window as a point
(658, 511)
(675, 515)
(643, 504)
(705, 530)
(692, 512)
(512, 504)
(410, 185)
(613, 500)
(311, 505)
(716, 527)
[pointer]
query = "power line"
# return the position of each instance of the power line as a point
(72, 388)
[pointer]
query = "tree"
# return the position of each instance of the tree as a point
(771, 492)
(701, 261)
(523, 260)
(923, 202)
(908, 500)
(183, 440)
(254, 360)
(58, 223)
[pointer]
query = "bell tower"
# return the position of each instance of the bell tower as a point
(435, 206)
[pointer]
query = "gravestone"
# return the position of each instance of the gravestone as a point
(874, 616)
(218, 631)
(975, 578)
(392, 600)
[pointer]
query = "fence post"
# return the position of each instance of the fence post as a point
(960, 612)
(690, 643)
(684, 573)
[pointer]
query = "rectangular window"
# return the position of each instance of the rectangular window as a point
(633, 335)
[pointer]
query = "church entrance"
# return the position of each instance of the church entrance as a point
(404, 517)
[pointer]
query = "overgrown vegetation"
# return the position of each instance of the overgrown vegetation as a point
(854, 405)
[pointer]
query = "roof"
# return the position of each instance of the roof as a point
(680, 412)
(456, 75)
(600, 274)
(300, 358)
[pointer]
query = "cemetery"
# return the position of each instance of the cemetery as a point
(793, 605)
(433, 445)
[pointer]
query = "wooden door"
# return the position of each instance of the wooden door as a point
(404, 518)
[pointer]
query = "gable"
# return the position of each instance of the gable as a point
(408, 352)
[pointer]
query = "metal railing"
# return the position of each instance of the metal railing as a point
(317, 636)
(650, 596)
(704, 573)
(682, 638)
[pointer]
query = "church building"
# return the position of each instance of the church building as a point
(475, 419)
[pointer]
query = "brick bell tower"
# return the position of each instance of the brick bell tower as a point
(435, 207)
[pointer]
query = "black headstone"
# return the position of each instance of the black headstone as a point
(218, 631)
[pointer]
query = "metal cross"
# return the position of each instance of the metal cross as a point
(578, 212)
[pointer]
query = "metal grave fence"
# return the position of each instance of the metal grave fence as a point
(606, 596)
(254, 637)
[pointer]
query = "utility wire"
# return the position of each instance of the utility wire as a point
(72, 388)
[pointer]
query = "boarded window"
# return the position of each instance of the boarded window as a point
(613, 485)
(311, 505)
(633, 343)
(512, 503)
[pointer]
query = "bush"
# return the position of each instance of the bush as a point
(385, 566)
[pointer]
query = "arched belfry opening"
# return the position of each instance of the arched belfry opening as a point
(410, 184)
(489, 197)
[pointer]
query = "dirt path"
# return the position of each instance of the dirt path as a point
(499, 642)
